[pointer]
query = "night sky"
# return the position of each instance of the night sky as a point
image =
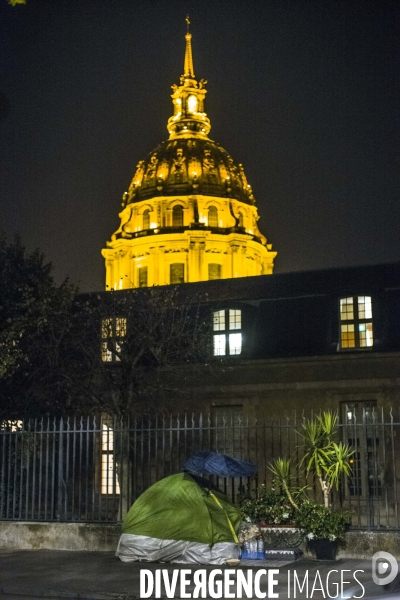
(304, 93)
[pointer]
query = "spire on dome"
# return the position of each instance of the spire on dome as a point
(189, 118)
(188, 69)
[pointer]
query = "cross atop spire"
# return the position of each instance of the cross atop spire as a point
(188, 69)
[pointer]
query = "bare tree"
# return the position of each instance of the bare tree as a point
(131, 349)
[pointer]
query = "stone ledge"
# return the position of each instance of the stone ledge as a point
(364, 544)
(21, 535)
(34, 535)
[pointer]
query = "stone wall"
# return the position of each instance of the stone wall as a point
(98, 537)
(58, 536)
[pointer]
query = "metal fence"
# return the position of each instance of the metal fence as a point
(92, 469)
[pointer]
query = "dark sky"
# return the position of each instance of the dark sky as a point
(304, 93)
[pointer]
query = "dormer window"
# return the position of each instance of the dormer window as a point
(212, 217)
(113, 332)
(227, 332)
(240, 218)
(356, 329)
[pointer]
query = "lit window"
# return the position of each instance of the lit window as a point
(212, 217)
(177, 273)
(235, 319)
(214, 271)
(142, 276)
(219, 345)
(227, 343)
(146, 219)
(219, 320)
(192, 104)
(113, 332)
(109, 480)
(356, 329)
(177, 216)
(13, 426)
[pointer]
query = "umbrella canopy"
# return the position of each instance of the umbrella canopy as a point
(219, 464)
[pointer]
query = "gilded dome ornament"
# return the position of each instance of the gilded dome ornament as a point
(167, 208)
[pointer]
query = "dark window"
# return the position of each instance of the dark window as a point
(113, 332)
(356, 329)
(214, 271)
(227, 332)
(240, 216)
(212, 217)
(177, 216)
(177, 273)
(229, 433)
(146, 219)
(361, 431)
(142, 276)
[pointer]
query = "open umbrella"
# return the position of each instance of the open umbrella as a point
(219, 464)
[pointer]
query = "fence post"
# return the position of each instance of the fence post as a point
(60, 471)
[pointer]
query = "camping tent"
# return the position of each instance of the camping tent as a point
(180, 519)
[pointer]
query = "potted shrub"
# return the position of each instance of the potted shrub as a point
(322, 527)
(327, 460)
(266, 507)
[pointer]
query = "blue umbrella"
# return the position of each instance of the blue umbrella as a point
(219, 464)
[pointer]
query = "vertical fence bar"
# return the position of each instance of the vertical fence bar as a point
(33, 494)
(40, 468)
(73, 468)
(21, 473)
(67, 472)
(385, 467)
(16, 446)
(392, 434)
(3, 474)
(60, 470)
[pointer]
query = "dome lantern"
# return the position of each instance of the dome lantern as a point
(189, 118)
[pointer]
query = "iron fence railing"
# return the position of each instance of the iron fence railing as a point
(92, 469)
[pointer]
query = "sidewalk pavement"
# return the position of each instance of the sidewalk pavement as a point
(53, 574)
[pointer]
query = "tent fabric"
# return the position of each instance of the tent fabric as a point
(144, 548)
(180, 509)
(219, 464)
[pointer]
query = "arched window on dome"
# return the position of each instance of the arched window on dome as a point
(146, 219)
(212, 217)
(241, 220)
(177, 216)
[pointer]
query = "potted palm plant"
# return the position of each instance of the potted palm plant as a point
(328, 460)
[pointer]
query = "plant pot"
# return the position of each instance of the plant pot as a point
(323, 548)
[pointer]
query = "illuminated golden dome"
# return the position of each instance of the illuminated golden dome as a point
(189, 166)
(188, 205)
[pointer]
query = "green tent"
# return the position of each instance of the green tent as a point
(182, 514)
